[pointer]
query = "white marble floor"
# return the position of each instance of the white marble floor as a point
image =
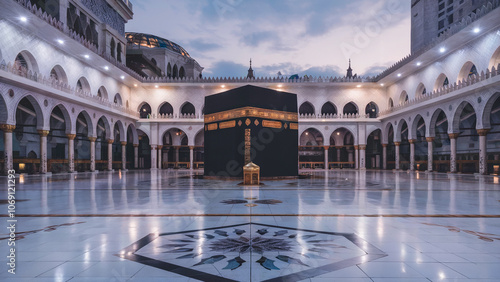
(334, 226)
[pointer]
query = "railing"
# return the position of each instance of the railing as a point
(333, 116)
(279, 79)
(311, 165)
(340, 165)
(172, 116)
(62, 86)
(473, 79)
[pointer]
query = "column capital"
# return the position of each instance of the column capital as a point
(92, 139)
(43, 133)
(71, 136)
(110, 141)
(482, 132)
(124, 143)
(159, 147)
(7, 127)
(153, 147)
(136, 145)
(412, 141)
(356, 147)
(338, 147)
(385, 145)
(397, 143)
(191, 147)
(453, 135)
(429, 139)
(362, 147)
(326, 147)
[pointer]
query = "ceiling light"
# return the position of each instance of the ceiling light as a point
(60, 41)
(338, 133)
(23, 19)
(381, 84)
(477, 30)
(279, 85)
(122, 77)
(358, 86)
(86, 56)
(106, 68)
(223, 86)
(156, 86)
(399, 75)
(135, 85)
(442, 49)
(418, 64)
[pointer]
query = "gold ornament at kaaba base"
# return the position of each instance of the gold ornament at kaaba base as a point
(227, 124)
(251, 112)
(247, 122)
(251, 174)
(256, 122)
(247, 145)
(271, 124)
(294, 126)
(212, 126)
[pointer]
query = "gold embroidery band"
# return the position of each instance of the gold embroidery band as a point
(227, 124)
(247, 145)
(251, 112)
(294, 126)
(271, 124)
(212, 126)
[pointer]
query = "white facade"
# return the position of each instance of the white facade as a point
(407, 127)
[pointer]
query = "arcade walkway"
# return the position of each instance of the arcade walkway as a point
(336, 226)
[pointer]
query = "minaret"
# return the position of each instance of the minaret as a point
(349, 70)
(250, 70)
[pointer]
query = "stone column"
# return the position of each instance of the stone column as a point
(176, 165)
(43, 150)
(124, 154)
(483, 167)
(153, 156)
(160, 164)
(338, 148)
(384, 156)
(412, 153)
(453, 151)
(92, 153)
(7, 141)
(110, 154)
(356, 156)
(191, 157)
(362, 156)
(396, 153)
(430, 153)
(136, 155)
(71, 152)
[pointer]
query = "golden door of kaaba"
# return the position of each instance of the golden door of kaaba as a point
(251, 124)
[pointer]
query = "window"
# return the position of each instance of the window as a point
(112, 47)
(460, 13)
(441, 24)
(450, 19)
(441, 6)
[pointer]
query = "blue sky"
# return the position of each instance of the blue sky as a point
(313, 37)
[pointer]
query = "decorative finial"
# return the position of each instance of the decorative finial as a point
(250, 62)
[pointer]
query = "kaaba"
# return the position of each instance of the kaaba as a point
(251, 124)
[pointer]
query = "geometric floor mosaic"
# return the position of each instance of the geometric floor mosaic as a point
(251, 252)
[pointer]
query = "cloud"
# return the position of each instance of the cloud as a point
(256, 38)
(375, 70)
(202, 45)
(226, 69)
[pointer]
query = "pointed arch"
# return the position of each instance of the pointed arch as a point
(415, 126)
(4, 111)
(490, 109)
(66, 116)
(467, 70)
(462, 112)
(103, 128)
(169, 70)
(403, 97)
(350, 108)
(175, 71)
(441, 81)
(306, 108)
(494, 61)
(82, 85)
(390, 103)
(166, 109)
(58, 73)
(182, 72)
(342, 136)
(174, 137)
(84, 120)
(35, 110)
(25, 61)
(436, 120)
(121, 130)
(187, 109)
(421, 90)
(118, 100)
(199, 138)
(328, 108)
(371, 110)
(311, 137)
(102, 93)
(144, 110)
(132, 136)
(119, 52)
